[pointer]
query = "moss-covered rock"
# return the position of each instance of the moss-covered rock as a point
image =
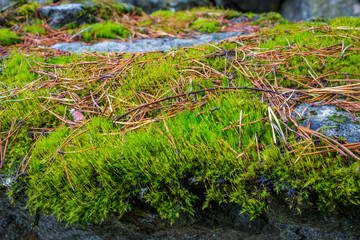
(162, 128)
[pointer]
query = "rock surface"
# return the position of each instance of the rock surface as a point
(4, 3)
(329, 120)
(257, 6)
(173, 5)
(61, 15)
(296, 10)
(144, 45)
(219, 222)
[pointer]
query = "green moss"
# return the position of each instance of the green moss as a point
(249, 14)
(145, 22)
(124, 166)
(230, 14)
(34, 29)
(184, 16)
(163, 14)
(17, 105)
(338, 118)
(205, 25)
(28, 8)
(313, 112)
(124, 169)
(345, 21)
(109, 30)
(107, 9)
(289, 35)
(271, 17)
(8, 37)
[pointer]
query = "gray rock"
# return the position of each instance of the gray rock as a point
(144, 45)
(258, 6)
(217, 223)
(296, 10)
(180, 5)
(148, 6)
(173, 5)
(61, 15)
(329, 120)
(4, 3)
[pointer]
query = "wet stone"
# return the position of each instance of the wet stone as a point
(329, 120)
(61, 15)
(145, 45)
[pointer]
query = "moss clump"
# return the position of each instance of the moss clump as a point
(109, 30)
(8, 37)
(205, 25)
(338, 118)
(290, 35)
(112, 176)
(163, 14)
(271, 16)
(345, 21)
(16, 106)
(230, 14)
(28, 8)
(166, 175)
(34, 28)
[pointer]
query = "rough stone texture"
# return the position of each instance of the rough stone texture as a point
(296, 10)
(61, 15)
(258, 6)
(144, 45)
(4, 3)
(329, 120)
(219, 222)
(173, 5)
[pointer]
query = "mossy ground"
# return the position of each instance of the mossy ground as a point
(164, 153)
(108, 30)
(110, 20)
(8, 37)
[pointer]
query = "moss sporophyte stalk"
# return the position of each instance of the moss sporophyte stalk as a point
(160, 126)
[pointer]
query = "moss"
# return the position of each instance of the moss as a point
(230, 14)
(28, 8)
(163, 13)
(205, 25)
(105, 30)
(345, 21)
(15, 106)
(108, 9)
(145, 163)
(34, 29)
(290, 35)
(271, 16)
(184, 16)
(145, 22)
(313, 112)
(8, 37)
(338, 118)
(249, 15)
(124, 166)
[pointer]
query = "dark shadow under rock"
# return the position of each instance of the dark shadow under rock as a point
(218, 222)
